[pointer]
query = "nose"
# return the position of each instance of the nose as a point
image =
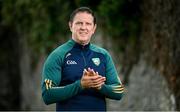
(83, 26)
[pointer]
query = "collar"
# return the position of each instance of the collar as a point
(79, 46)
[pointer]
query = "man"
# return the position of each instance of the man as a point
(78, 75)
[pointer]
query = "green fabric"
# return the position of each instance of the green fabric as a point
(112, 78)
(52, 71)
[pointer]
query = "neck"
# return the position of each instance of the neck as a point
(80, 42)
(84, 43)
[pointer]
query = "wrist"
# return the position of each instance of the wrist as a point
(78, 82)
(81, 84)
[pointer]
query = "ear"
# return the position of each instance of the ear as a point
(70, 25)
(94, 29)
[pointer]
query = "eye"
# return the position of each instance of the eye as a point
(78, 23)
(88, 23)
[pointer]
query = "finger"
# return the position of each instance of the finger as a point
(98, 81)
(98, 85)
(85, 72)
(98, 77)
(91, 71)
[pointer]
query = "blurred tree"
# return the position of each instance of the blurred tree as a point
(41, 22)
(120, 18)
(35, 26)
(44, 22)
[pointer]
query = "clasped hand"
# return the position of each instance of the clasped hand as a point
(92, 79)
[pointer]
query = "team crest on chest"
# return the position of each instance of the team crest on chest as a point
(96, 61)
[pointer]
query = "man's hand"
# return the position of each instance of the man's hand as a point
(91, 79)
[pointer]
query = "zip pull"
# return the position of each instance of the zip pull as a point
(84, 59)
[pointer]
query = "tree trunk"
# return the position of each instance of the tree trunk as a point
(161, 40)
(9, 69)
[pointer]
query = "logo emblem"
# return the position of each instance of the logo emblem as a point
(69, 54)
(71, 62)
(96, 61)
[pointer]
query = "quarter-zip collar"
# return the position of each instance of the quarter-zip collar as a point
(79, 46)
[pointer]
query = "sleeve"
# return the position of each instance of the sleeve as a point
(113, 87)
(51, 77)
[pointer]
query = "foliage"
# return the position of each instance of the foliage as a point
(44, 23)
(121, 17)
(41, 22)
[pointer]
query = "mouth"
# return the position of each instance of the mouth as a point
(83, 33)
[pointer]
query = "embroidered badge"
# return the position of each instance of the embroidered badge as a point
(96, 61)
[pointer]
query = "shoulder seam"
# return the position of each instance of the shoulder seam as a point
(98, 49)
(62, 50)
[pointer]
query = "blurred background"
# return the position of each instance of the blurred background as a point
(141, 35)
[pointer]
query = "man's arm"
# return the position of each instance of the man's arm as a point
(113, 87)
(112, 91)
(55, 94)
(51, 77)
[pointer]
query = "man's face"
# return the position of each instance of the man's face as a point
(82, 27)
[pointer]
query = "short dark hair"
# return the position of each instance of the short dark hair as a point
(82, 9)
